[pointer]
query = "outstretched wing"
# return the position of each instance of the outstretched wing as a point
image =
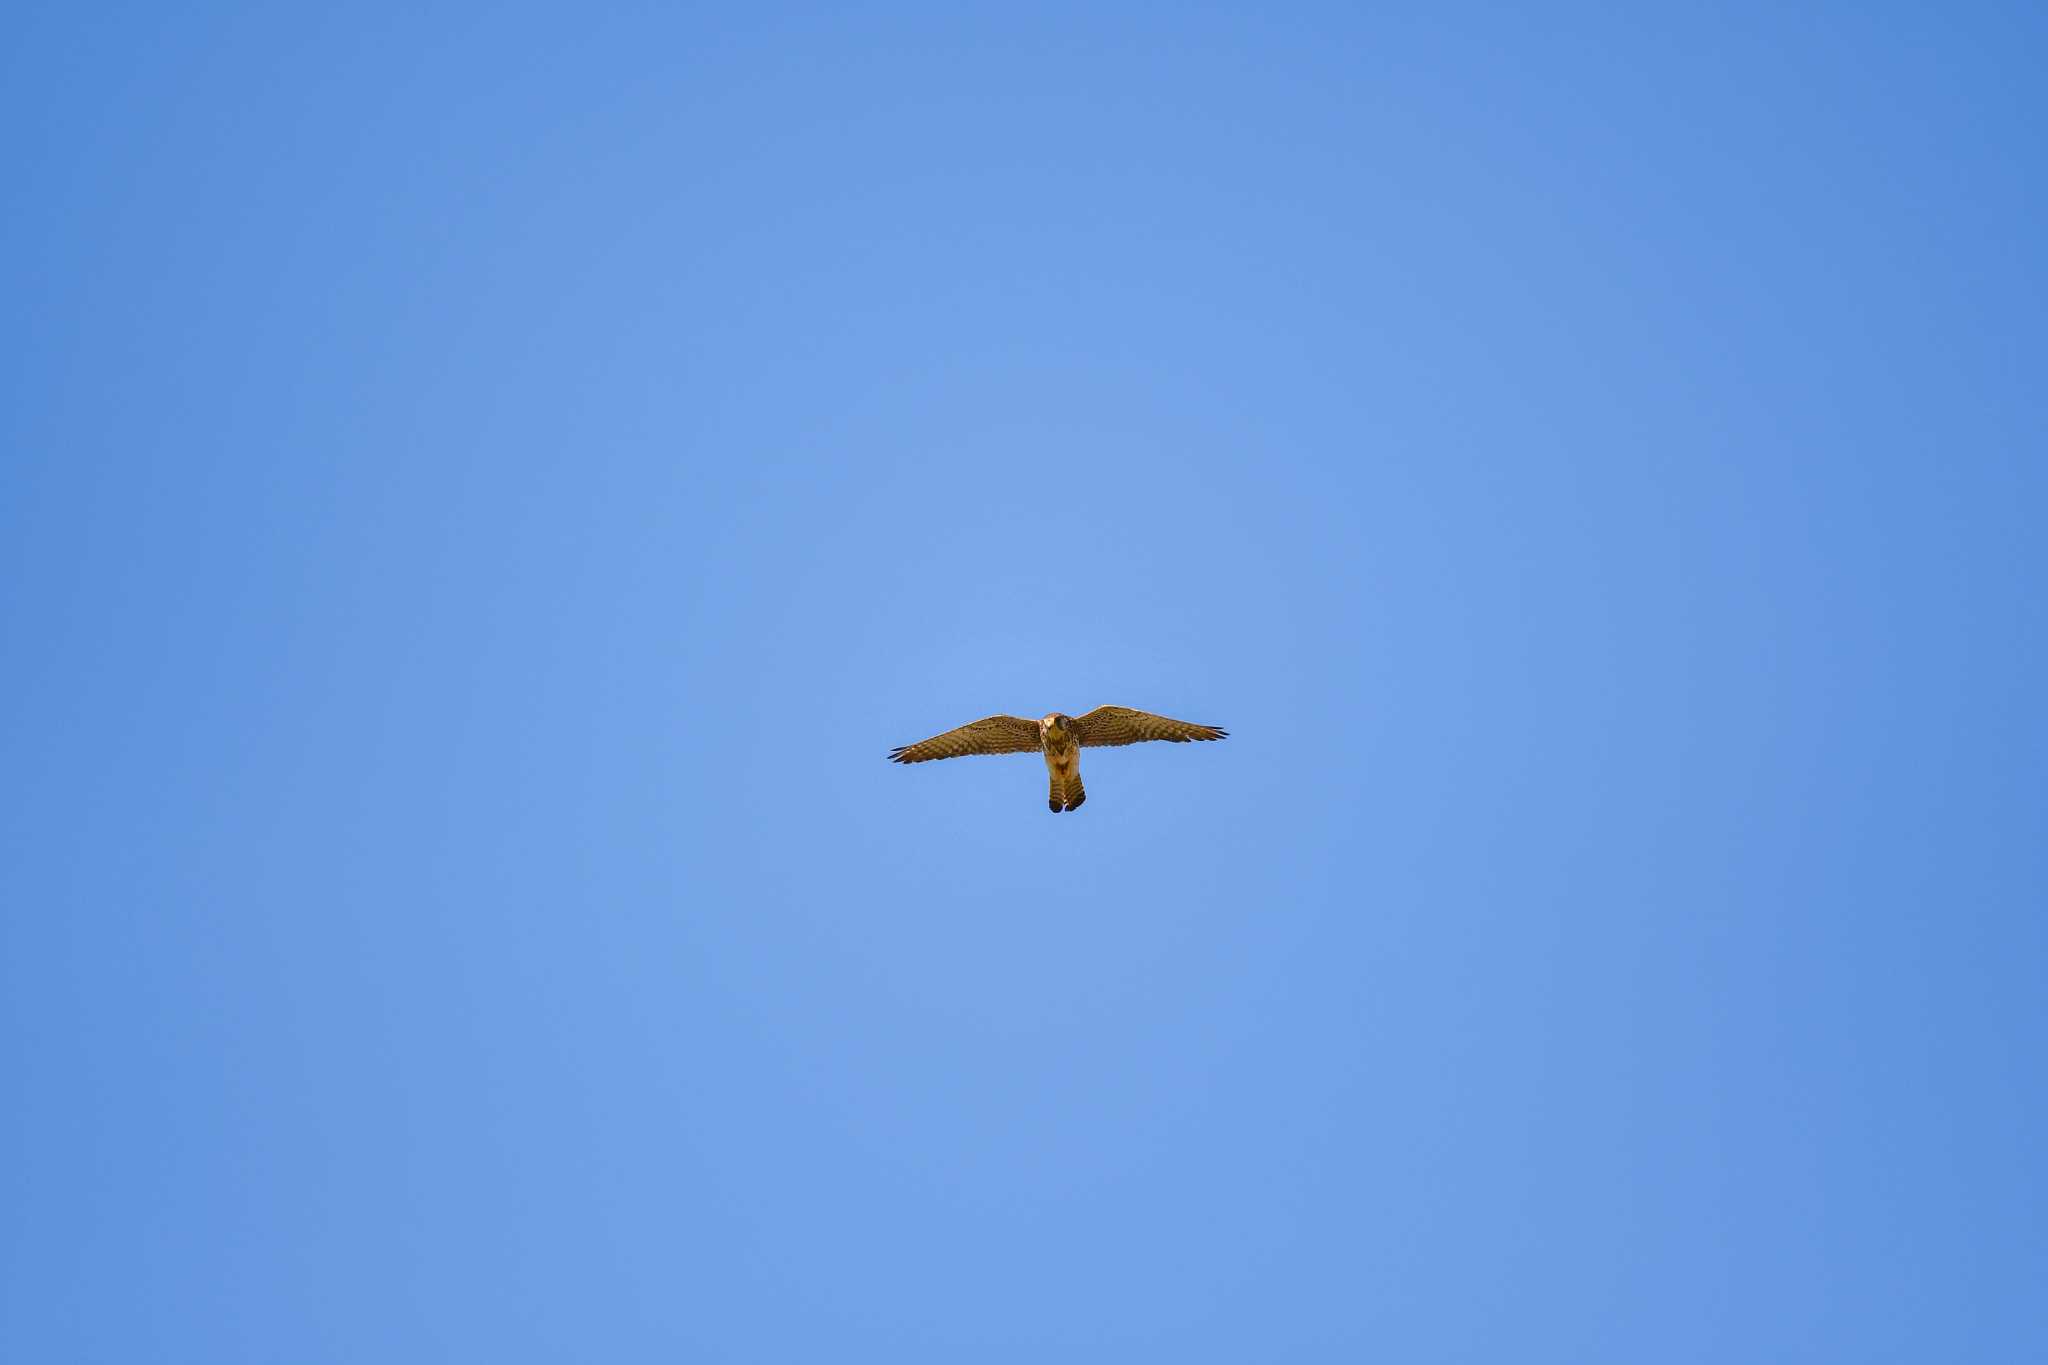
(990, 735)
(1122, 725)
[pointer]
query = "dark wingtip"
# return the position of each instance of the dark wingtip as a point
(896, 755)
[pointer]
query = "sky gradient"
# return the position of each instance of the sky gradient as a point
(484, 487)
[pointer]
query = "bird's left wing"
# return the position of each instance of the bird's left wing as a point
(1121, 725)
(989, 735)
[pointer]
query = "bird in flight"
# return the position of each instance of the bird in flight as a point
(1060, 738)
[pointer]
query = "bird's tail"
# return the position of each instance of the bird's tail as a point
(1067, 792)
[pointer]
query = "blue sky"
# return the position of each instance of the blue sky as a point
(485, 487)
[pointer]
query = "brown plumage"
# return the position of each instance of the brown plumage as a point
(1060, 738)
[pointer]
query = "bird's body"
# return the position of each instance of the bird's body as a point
(1060, 738)
(1062, 763)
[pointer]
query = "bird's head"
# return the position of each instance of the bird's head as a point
(1056, 722)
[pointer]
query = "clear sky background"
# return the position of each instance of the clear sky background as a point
(484, 487)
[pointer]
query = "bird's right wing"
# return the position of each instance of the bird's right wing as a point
(990, 735)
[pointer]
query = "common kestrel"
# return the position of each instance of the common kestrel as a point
(1060, 738)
